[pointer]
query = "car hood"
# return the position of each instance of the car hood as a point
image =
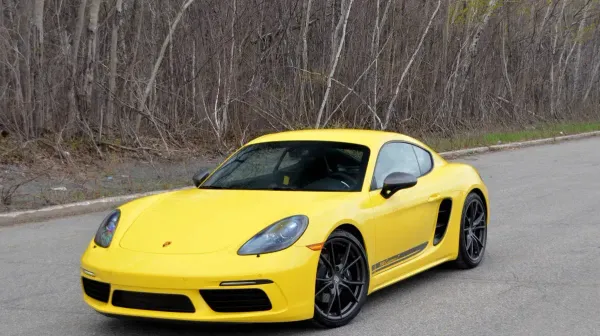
(198, 221)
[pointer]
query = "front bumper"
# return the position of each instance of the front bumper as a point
(285, 292)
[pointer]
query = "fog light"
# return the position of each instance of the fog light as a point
(245, 282)
(87, 272)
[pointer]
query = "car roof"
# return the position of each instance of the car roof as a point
(370, 138)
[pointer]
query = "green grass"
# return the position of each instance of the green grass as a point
(488, 139)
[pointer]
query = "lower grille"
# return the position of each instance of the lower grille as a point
(236, 300)
(96, 290)
(152, 301)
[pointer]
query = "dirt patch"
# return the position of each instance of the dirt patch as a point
(37, 177)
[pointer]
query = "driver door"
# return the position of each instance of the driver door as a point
(405, 222)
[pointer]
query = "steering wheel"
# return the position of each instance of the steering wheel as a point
(346, 179)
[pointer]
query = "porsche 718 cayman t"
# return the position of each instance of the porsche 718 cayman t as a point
(293, 226)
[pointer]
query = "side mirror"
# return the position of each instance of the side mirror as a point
(200, 177)
(397, 181)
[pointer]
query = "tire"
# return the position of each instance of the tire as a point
(346, 290)
(473, 223)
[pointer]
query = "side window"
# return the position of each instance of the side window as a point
(424, 159)
(395, 157)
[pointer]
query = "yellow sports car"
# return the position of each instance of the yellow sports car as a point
(298, 225)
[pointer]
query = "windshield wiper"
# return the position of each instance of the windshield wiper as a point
(242, 188)
(212, 187)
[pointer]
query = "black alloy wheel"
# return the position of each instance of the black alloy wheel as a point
(342, 280)
(473, 232)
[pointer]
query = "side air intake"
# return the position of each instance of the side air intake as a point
(442, 221)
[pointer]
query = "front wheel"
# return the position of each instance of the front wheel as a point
(473, 233)
(342, 280)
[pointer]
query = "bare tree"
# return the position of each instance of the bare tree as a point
(341, 25)
(114, 59)
(390, 108)
(73, 108)
(91, 54)
(38, 51)
(176, 74)
(149, 86)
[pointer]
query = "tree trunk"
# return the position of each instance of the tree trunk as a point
(472, 53)
(114, 60)
(307, 8)
(73, 108)
(576, 79)
(38, 51)
(342, 24)
(23, 54)
(90, 65)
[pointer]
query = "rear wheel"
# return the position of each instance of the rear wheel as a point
(342, 280)
(473, 233)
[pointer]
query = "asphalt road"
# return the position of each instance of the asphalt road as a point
(541, 275)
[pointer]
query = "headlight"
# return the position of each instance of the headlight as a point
(276, 237)
(105, 232)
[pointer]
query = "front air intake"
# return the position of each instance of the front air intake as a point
(152, 301)
(96, 290)
(236, 300)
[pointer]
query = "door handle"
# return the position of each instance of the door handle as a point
(434, 197)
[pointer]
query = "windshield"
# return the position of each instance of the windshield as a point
(294, 165)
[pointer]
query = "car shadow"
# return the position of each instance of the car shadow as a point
(396, 291)
(168, 328)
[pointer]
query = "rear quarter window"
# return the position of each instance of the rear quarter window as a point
(424, 159)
